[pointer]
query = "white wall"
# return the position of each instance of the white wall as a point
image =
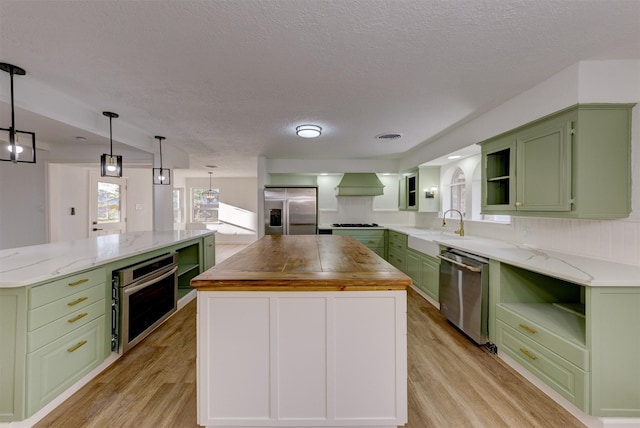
(69, 187)
(23, 202)
(591, 81)
(140, 202)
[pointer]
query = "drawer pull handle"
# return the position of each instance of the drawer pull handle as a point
(528, 354)
(77, 317)
(78, 345)
(529, 329)
(81, 281)
(75, 302)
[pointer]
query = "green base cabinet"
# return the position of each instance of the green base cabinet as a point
(430, 277)
(54, 333)
(581, 341)
(374, 239)
(574, 163)
(425, 272)
(13, 345)
(397, 250)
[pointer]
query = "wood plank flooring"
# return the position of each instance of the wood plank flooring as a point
(452, 382)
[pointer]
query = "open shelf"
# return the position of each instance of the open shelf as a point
(554, 318)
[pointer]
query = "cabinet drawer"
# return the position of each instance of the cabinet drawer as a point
(55, 367)
(53, 330)
(399, 239)
(565, 378)
(398, 261)
(562, 334)
(51, 291)
(64, 307)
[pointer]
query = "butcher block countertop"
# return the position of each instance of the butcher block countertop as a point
(303, 263)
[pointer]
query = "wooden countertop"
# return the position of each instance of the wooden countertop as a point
(303, 263)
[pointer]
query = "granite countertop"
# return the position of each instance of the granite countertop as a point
(578, 269)
(28, 265)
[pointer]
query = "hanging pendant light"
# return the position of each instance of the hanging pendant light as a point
(161, 175)
(110, 165)
(210, 195)
(10, 150)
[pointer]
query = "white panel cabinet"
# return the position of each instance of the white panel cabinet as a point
(302, 359)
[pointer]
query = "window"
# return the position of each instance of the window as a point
(205, 209)
(108, 203)
(458, 192)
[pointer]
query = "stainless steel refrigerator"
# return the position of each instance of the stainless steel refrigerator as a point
(290, 210)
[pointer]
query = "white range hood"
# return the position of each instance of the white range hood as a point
(360, 184)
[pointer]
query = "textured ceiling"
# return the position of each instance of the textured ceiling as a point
(228, 81)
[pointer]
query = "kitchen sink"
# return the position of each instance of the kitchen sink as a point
(425, 242)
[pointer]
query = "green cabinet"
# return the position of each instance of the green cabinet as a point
(574, 163)
(424, 270)
(579, 340)
(408, 191)
(430, 283)
(397, 252)
(374, 239)
(209, 252)
(55, 332)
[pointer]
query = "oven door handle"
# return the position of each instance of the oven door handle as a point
(462, 265)
(148, 281)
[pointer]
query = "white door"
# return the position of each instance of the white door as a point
(107, 205)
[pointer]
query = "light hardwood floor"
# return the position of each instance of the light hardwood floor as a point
(452, 383)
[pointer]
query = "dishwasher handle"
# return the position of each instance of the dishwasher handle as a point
(462, 265)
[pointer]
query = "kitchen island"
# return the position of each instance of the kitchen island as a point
(56, 311)
(306, 330)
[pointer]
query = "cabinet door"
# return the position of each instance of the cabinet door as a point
(543, 164)
(499, 175)
(413, 266)
(402, 193)
(58, 365)
(209, 252)
(412, 191)
(430, 277)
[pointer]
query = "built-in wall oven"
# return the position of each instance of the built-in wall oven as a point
(143, 296)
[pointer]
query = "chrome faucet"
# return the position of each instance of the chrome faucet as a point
(444, 223)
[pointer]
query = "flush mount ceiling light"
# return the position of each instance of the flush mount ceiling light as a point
(161, 175)
(308, 131)
(110, 165)
(12, 152)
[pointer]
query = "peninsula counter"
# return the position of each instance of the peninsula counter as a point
(306, 330)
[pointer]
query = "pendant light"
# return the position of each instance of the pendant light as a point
(161, 175)
(209, 195)
(10, 150)
(110, 165)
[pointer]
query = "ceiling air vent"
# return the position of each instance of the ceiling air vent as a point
(390, 136)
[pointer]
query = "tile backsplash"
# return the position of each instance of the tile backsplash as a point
(615, 240)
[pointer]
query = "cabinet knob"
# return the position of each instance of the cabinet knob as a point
(519, 204)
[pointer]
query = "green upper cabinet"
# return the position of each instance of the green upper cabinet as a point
(408, 191)
(574, 163)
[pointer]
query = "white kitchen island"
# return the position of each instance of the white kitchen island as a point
(302, 331)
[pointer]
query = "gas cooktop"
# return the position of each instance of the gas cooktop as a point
(355, 225)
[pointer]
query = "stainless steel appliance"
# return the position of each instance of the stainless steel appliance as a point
(464, 289)
(143, 296)
(290, 210)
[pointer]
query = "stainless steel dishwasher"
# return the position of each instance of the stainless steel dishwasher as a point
(464, 290)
